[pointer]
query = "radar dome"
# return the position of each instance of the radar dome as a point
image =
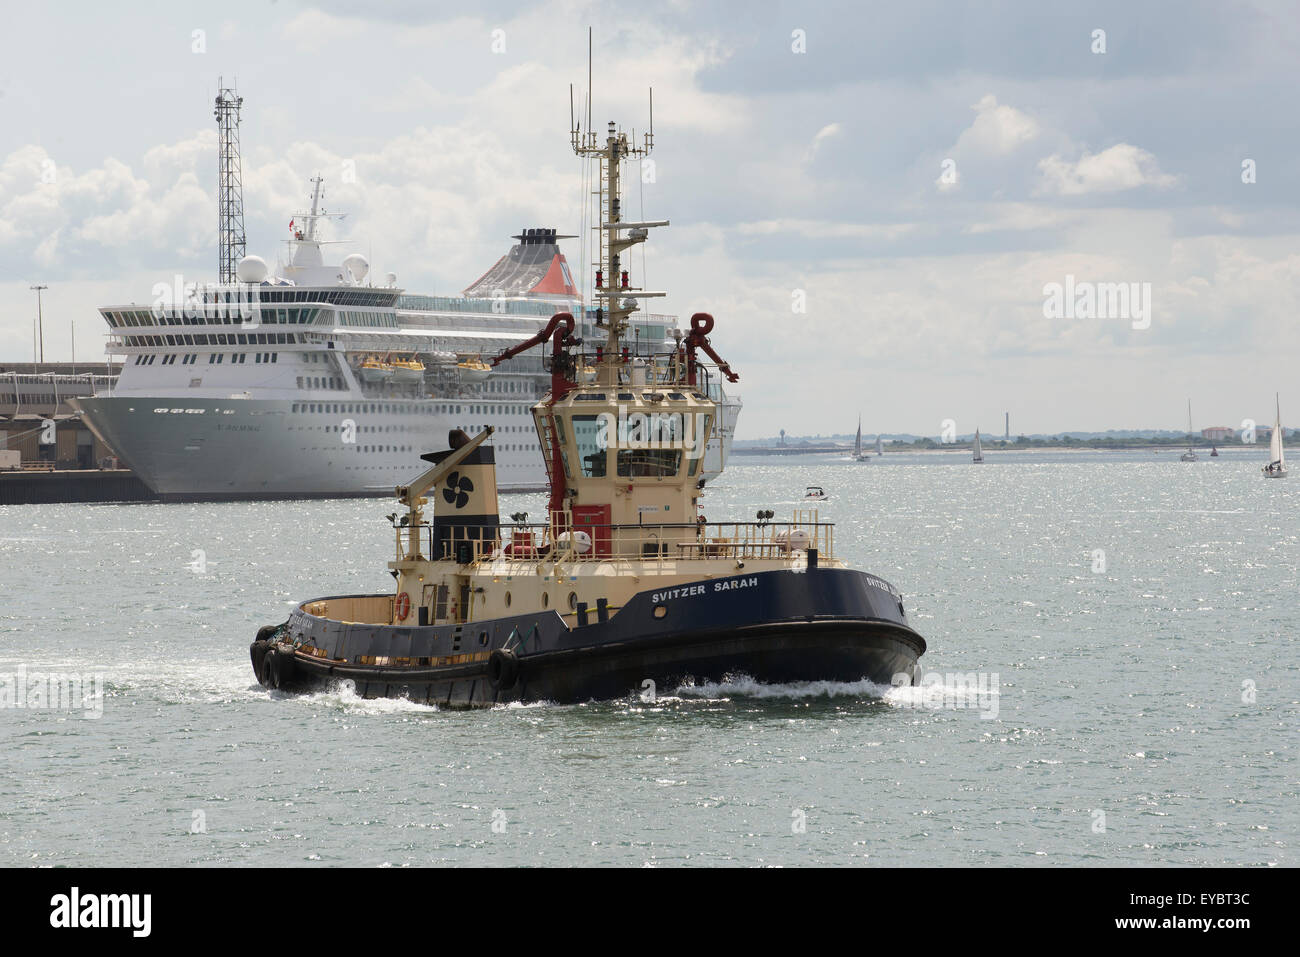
(357, 266)
(391, 279)
(251, 269)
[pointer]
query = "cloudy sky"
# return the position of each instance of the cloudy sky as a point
(870, 198)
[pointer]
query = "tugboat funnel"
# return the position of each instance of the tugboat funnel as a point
(464, 500)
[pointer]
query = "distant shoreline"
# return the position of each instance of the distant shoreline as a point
(996, 448)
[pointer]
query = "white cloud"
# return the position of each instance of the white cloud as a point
(997, 131)
(823, 229)
(1121, 167)
(824, 134)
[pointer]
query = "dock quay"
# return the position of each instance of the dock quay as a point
(47, 454)
(48, 486)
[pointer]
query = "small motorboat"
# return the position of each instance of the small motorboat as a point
(815, 493)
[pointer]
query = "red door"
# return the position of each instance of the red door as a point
(594, 520)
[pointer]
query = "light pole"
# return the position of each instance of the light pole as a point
(40, 319)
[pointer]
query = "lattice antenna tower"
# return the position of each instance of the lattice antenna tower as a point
(231, 244)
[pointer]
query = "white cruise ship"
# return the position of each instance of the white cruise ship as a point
(313, 383)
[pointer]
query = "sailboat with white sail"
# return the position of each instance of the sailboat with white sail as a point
(1276, 467)
(858, 455)
(880, 446)
(1189, 455)
(978, 450)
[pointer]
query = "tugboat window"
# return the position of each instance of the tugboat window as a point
(704, 437)
(591, 451)
(634, 463)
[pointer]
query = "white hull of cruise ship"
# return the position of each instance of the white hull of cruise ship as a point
(212, 449)
(249, 448)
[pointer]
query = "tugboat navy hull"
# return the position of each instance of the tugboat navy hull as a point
(780, 626)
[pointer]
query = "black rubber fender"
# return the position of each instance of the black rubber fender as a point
(267, 632)
(502, 669)
(273, 670)
(257, 652)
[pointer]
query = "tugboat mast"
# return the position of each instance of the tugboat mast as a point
(617, 298)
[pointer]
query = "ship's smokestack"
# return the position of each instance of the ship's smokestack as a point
(465, 501)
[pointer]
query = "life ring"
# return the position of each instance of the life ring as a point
(402, 605)
(502, 669)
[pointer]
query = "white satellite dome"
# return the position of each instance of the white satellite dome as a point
(357, 266)
(251, 269)
(391, 279)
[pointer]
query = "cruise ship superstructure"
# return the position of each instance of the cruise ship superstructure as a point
(310, 381)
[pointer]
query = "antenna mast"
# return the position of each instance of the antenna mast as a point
(614, 293)
(316, 211)
(231, 244)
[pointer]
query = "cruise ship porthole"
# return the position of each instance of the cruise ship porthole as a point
(546, 599)
(507, 599)
(573, 601)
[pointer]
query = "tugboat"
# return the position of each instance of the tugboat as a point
(626, 582)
